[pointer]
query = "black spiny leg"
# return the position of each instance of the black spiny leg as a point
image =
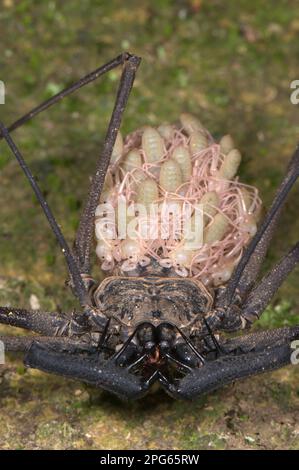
(232, 299)
(79, 267)
(130, 63)
(262, 294)
(78, 285)
(88, 368)
(249, 266)
(23, 344)
(262, 351)
(74, 358)
(267, 351)
(84, 236)
(49, 324)
(246, 355)
(120, 59)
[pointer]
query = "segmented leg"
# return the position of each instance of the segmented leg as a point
(120, 59)
(90, 369)
(23, 343)
(84, 236)
(250, 273)
(248, 268)
(49, 324)
(77, 282)
(269, 351)
(262, 294)
(259, 340)
(85, 230)
(243, 314)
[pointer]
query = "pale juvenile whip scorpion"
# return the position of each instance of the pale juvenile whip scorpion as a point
(151, 323)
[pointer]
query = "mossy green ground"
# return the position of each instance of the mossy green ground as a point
(230, 63)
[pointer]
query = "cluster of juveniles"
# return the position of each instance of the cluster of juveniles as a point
(172, 196)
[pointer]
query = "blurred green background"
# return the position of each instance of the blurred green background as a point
(231, 64)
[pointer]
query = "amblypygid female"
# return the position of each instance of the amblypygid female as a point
(160, 314)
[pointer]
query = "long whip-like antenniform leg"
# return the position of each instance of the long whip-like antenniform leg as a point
(255, 302)
(85, 232)
(120, 59)
(78, 285)
(249, 265)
